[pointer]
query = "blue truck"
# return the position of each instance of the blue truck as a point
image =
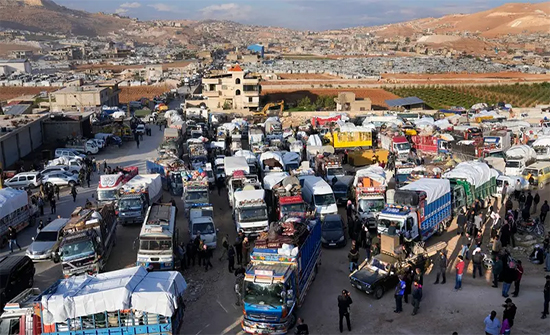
(278, 278)
(170, 170)
(420, 209)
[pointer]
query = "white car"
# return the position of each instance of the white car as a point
(512, 181)
(60, 179)
(99, 142)
(140, 129)
(55, 169)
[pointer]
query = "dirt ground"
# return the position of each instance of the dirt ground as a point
(13, 92)
(306, 76)
(128, 94)
(7, 48)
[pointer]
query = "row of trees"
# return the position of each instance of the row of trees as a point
(323, 102)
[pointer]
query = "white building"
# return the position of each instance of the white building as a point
(9, 66)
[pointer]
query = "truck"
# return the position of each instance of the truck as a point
(136, 196)
(88, 239)
(420, 210)
(235, 163)
(467, 132)
(281, 270)
(195, 190)
(434, 145)
(542, 148)
(497, 143)
(399, 145)
(110, 184)
(171, 147)
(158, 238)
(250, 211)
(329, 167)
(204, 225)
(350, 136)
(470, 181)
(119, 301)
(198, 155)
(16, 210)
(369, 187)
(517, 158)
(240, 181)
(172, 134)
(403, 173)
(285, 197)
(88, 147)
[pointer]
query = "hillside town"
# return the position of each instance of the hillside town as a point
(214, 177)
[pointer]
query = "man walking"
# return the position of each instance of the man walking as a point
(416, 297)
(73, 192)
(546, 293)
(477, 260)
(53, 208)
(344, 302)
(12, 239)
(399, 292)
(459, 272)
(544, 211)
(441, 267)
(536, 201)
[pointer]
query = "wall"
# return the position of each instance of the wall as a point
(21, 142)
(60, 130)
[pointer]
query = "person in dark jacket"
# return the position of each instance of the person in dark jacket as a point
(536, 200)
(544, 211)
(441, 266)
(207, 257)
(418, 276)
(301, 327)
(521, 201)
(353, 257)
(497, 269)
(477, 260)
(12, 238)
(461, 222)
(508, 277)
(407, 277)
(509, 205)
(519, 274)
(505, 234)
(239, 247)
(510, 311)
(191, 252)
(344, 302)
(231, 258)
(528, 202)
(416, 296)
(546, 295)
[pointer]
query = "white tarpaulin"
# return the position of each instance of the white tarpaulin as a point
(475, 173)
(521, 151)
(314, 140)
(273, 179)
(374, 172)
(133, 288)
(443, 124)
(542, 142)
(434, 188)
(276, 155)
(249, 155)
(11, 200)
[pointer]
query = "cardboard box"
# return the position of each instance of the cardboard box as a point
(389, 244)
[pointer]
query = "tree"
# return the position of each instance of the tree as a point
(304, 103)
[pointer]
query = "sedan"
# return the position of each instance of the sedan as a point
(332, 231)
(60, 179)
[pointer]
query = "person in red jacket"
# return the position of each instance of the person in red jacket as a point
(519, 270)
(459, 272)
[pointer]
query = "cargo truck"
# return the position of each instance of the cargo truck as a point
(470, 181)
(370, 188)
(351, 136)
(16, 210)
(285, 197)
(430, 144)
(281, 270)
(396, 144)
(117, 302)
(250, 211)
(517, 158)
(88, 147)
(136, 196)
(421, 209)
(110, 184)
(497, 143)
(542, 148)
(195, 191)
(170, 169)
(158, 238)
(88, 239)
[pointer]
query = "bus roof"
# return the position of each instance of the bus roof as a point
(160, 220)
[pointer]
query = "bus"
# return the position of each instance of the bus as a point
(157, 241)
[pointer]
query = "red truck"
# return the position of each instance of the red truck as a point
(287, 198)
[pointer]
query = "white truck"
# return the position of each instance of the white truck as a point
(396, 144)
(250, 211)
(542, 148)
(319, 195)
(235, 163)
(136, 196)
(88, 147)
(370, 187)
(517, 158)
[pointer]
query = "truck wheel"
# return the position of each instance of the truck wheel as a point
(292, 322)
(379, 292)
(440, 229)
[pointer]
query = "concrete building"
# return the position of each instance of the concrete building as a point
(9, 66)
(234, 89)
(67, 124)
(71, 98)
(347, 102)
(21, 54)
(19, 136)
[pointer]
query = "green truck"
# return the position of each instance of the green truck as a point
(469, 181)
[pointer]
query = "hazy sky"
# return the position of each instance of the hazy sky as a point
(297, 14)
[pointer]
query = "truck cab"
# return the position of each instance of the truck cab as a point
(250, 211)
(319, 195)
(204, 225)
(195, 192)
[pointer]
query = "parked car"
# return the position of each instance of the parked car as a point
(55, 169)
(140, 129)
(16, 275)
(332, 231)
(47, 241)
(25, 180)
(61, 179)
(99, 142)
(67, 152)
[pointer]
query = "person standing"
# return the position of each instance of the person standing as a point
(546, 293)
(53, 208)
(510, 310)
(349, 212)
(536, 200)
(219, 185)
(461, 222)
(41, 205)
(191, 252)
(344, 302)
(508, 277)
(545, 208)
(407, 278)
(416, 296)
(225, 246)
(239, 248)
(56, 190)
(399, 292)
(231, 259)
(207, 257)
(12, 239)
(497, 270)
(465, 241)
(478, 221)
(477, 260)
(517, 282)
(492, 324)
(504, 193)
(239, 280)
(246, 251)
(367, 242)
(459, 272)
(528, 202)
(505, 234)
(441, 267)
(73, 192)
(353, 257)
(418, 276)
(301, 327)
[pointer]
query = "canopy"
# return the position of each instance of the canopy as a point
(11, 200)
(276, 155)
(249, 155)
(434, 188)
(273, 179)
(521, 151)
(291, 157)
(374, 172)
(475, 173)
(132, 288)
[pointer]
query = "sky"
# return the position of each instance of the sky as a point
(295, 14)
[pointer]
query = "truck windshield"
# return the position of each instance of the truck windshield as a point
(77, 248)
(263, 294)
(512, 164)
(385, 223)
(251, 214)
(293, 208)
(370, 205)
(335, 172)
(105, 195)
(155, 244)
(46, 236)
(197, 196)
(205, 228)
(129, 204)
(402, 146)
(324, 199)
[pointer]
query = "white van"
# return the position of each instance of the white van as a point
(66, 152)
(318, 193)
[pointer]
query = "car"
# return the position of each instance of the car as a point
(68, 152)
(99, 142)
(512, 184)
(25, 180)
(16, 275)
(60, 179)
(332, 231)
(47, 241)
(54, 169)
(140, 129)
(205, 225)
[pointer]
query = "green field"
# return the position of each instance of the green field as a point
(442, 97)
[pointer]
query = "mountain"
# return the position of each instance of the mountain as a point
(46, 15)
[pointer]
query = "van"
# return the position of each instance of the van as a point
(25, 180)
(67, 152)
(538, 174)
(318, 193)
(46, 243)
(16, 275)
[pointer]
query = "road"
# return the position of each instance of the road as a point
(211, 300)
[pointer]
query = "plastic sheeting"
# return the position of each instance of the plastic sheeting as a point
(475, 173)
(290, 157)
(273, 179)
(443, 124)
(276, 155)
(521, 151)
(542, 142)
(249, 155)
(314, 140)
(374, 172)
(434, 188)
(133, 288)
(11, 200)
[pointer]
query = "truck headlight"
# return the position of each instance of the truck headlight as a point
(323, 240)
(341, 239)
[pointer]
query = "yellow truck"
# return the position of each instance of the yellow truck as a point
(350, 136)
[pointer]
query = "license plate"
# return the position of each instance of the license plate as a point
(332, 244)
